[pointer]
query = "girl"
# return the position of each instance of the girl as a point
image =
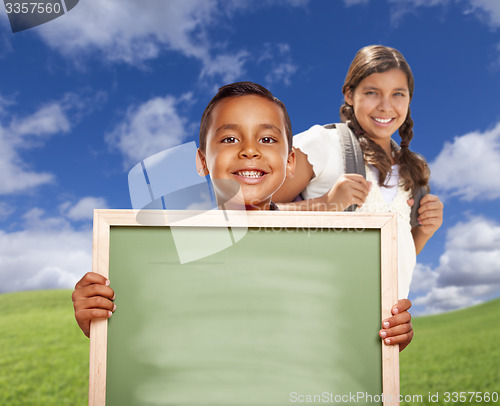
(377, 92)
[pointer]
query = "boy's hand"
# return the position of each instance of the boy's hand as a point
(349, 189)
(92, 299)
(398, 329)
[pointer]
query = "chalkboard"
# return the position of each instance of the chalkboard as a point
(244, 308)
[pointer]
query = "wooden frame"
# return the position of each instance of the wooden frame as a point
(386, 223)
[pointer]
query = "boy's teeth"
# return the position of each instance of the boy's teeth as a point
(250, 174)
(382, 120)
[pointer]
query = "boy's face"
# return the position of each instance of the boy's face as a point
(247, 144)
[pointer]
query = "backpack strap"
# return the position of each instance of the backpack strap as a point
(421, 192)
(351, 152)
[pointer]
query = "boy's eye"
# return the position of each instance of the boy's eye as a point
(267, 140)
(229, 140)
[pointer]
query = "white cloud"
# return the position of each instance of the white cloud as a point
(133, 32)
(349, 3)
(150, 128)
(468, 271)
(48, 253)
(488, 10)
(84, 208)
(485, 10)
(279, 63)
(28, 132)
(472, 255)
(467, 167)
(229, 67)
(5, 210)
(49, 119)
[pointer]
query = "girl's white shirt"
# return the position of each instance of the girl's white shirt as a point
(323, 149)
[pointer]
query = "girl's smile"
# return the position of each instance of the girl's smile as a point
(380, 103)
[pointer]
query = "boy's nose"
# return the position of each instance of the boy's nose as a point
(249, 150)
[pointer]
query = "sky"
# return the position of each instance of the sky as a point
(87, 96)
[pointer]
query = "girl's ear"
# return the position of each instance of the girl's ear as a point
(348, 97)
(290, 164)
(201, 163)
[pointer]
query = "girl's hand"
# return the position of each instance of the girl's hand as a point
(349, 189)
(92, 299)
(430, 214)
(430, 217)
(398, 329)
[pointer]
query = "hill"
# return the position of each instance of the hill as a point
(44, 355)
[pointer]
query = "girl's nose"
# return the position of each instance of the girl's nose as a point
(385, 104)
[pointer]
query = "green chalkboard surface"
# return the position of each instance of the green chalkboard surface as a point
(283, 316)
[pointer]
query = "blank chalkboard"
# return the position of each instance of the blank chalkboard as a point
(281, 308)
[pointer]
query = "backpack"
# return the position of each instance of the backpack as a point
(354, 163)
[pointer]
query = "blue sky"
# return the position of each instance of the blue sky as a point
(87, 96)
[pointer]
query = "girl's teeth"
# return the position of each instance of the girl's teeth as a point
(382, 120)
(250, 174)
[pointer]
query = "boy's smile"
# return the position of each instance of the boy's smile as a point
(380, 104)
(247, 143)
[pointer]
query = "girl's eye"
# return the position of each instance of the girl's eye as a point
(267, 140)
(400, 94)
(229, 140)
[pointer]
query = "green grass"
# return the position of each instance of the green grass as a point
(44, 355)
(454, 352)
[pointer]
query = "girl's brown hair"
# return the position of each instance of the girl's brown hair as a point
(413, 170)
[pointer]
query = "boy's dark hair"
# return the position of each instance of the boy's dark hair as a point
(241, 89)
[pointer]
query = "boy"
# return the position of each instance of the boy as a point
(245, 144)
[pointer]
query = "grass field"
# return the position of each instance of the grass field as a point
(454, 352)
(43, 353)
(44, 356)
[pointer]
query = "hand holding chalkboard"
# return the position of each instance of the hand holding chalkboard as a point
(398, 329)
(92, 299)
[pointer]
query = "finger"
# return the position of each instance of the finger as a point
(410, 202)
(359, 179)
(96, 302)
(396, 331)
(429, 198)
(429, 205)
(359, 196)
(93, 290)
(401, 306)
(400, 339)
(430, 212)
(433, 221)
(398, 319)
(90, 278)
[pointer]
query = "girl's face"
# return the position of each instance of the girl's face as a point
(380, 103)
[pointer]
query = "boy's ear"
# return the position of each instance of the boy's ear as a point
(290, 164)
(348, 97)
(201, 163)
